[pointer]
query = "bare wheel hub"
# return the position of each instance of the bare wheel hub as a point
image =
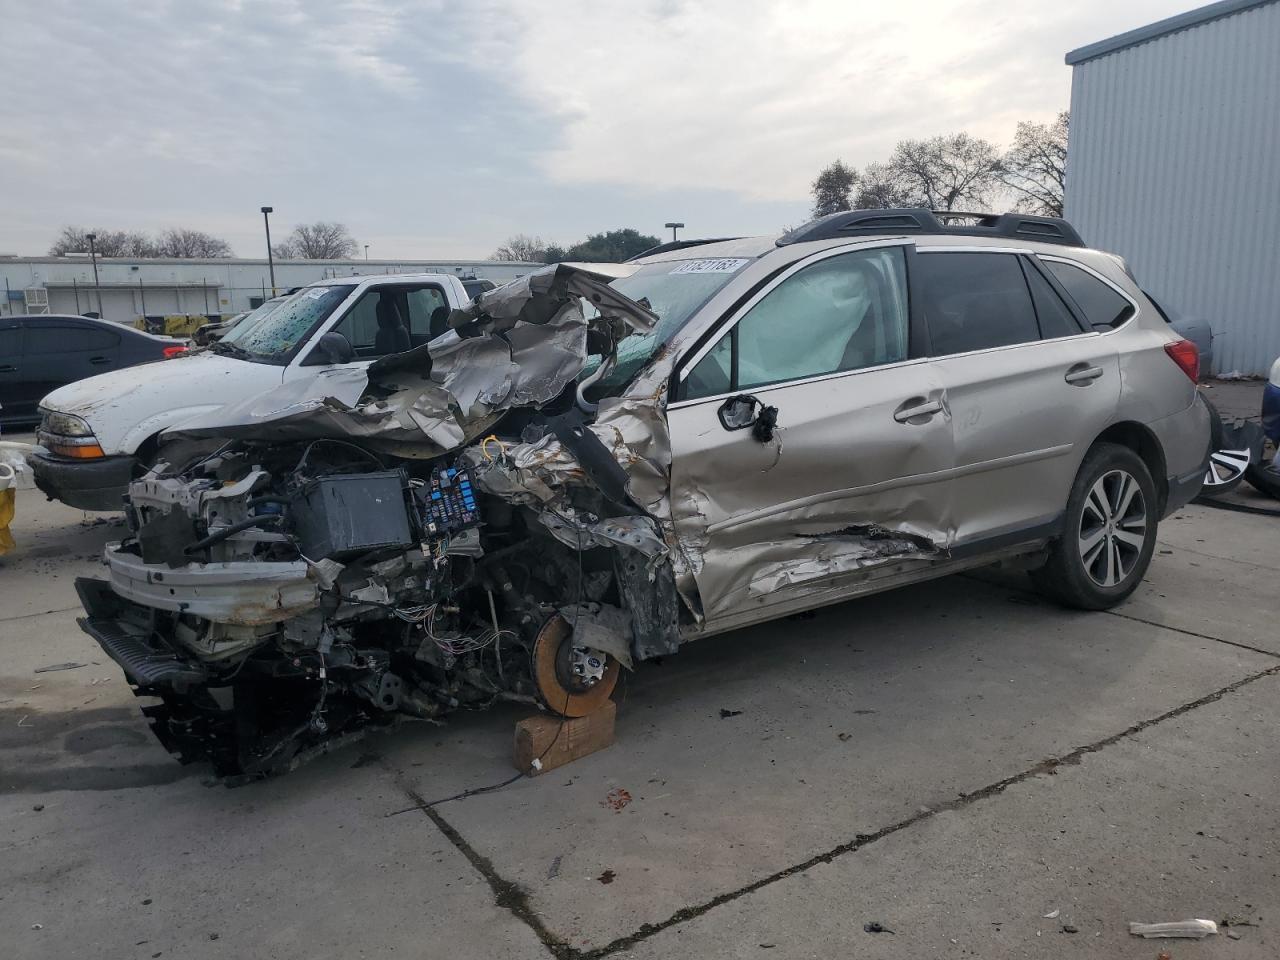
(587, 665)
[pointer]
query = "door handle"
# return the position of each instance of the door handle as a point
(916, 407)
(1081, 375)
(98, 361)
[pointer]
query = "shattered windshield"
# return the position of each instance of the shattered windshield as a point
(272, 337)
(674, 290)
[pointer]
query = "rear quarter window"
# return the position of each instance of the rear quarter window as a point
(1101, 305)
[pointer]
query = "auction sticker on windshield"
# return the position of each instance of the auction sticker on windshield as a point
(731, 265)
(317, 293)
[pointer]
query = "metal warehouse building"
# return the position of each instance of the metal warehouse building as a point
(1174, 163)
(127, 289)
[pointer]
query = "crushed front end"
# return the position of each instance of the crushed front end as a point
(322, 573)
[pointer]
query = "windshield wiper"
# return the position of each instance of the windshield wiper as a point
(230, 350)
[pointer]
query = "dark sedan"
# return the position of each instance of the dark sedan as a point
(38, 354)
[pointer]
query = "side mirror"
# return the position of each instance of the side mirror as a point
(332, 347)
(744, 410)
(738, 413)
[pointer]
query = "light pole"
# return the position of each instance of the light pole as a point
(673, 227)
(366, 253)
(93, 255)
(271, 263)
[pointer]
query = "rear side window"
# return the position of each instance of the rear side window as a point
(1103, 307)
(49, 339)
(1055, 319)
(976, 301)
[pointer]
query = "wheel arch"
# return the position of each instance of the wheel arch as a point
(1139, 438)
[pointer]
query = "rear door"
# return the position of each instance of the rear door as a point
(1028, 387)
(61, 351)
(854, 474)
(14, 398)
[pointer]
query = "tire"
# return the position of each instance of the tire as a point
(1226, 467)
(1265, 478)
(1100, 558)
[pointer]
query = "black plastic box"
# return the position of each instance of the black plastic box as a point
(340, 516)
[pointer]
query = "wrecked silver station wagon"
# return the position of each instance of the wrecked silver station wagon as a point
(597, 464)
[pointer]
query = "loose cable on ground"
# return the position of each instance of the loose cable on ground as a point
(537, 763)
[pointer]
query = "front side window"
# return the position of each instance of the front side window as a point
(393, 319)
(843, 313)
(1102, 305)
(976, 301)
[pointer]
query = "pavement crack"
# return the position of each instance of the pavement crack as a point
(1214, 556)
(515, 899)
(38, 613)
(861, 840)
(1191, 633)
(507, 894)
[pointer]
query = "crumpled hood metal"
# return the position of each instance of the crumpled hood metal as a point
(517, 345)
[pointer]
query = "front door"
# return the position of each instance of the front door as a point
(853, 476)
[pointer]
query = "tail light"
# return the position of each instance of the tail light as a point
(1187, 356)
(170, 352)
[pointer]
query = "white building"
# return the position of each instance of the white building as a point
(131, 288)
(1174, 163)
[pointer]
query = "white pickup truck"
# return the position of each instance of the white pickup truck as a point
(98, 434)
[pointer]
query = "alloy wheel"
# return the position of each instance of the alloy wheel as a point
(1113, 528)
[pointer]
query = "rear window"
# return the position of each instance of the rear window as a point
(1102, 306)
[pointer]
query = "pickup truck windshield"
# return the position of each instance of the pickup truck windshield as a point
(675, 290)
(273, 337)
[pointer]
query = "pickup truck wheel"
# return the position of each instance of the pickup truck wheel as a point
(1108, 532)
(572, 681)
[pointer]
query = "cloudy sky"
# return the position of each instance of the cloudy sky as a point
(436, 129)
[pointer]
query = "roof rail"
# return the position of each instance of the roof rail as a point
(678, 245)
(1017, 226)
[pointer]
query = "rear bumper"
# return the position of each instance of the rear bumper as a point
(84, 484)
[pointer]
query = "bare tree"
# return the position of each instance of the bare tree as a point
(321, 240)
(184, 244)
(1035, 167)
(881, 187)
(106, 243)
(947, 172)
(833, 188)
(522, 247)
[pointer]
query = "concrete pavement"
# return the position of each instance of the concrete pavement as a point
(954, 761)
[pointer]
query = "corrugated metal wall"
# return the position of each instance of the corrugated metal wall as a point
(1174, 163)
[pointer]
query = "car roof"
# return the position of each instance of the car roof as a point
(748, 247)
(378, 278)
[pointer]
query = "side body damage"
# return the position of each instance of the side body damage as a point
(448, 527)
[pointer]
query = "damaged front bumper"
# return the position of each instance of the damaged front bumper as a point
(242, 592)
